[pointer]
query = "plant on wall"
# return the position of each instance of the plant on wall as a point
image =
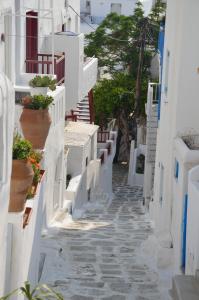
(37, 102)
(43, 81)
(40, 292)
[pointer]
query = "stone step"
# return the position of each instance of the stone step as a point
(82, 113)
(185, 288)
(83, 104)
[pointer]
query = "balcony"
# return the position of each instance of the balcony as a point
(82, 72)
(89, 74)
(44, 65)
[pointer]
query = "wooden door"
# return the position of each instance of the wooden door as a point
(31, 42)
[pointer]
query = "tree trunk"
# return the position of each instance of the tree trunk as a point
(138, 89)
(124, 144)
(119, 136)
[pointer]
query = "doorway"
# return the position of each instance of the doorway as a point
(31, 41)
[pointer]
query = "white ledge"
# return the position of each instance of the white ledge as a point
(185, 153)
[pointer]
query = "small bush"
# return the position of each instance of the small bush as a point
(37, 102)
(43, 81)
(21, 148)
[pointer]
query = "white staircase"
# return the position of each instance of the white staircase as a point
(83, 111)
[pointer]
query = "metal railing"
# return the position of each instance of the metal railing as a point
(71, 117)
(43, 65)
(103, 136)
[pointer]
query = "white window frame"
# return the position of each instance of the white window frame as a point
(119, 5)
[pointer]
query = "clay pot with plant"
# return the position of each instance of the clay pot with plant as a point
(22, 174)
(35, 119)
(40, 85)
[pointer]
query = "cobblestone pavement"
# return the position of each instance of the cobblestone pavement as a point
(101, 256)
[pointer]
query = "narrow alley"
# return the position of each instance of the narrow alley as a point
(109, 254)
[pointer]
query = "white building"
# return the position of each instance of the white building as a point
(95, 11)
(174, 202)
(33, 40)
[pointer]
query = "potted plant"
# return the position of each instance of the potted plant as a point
(22, 174)
(41, 84)
(35, 119)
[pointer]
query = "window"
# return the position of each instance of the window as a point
(166, 79)
(176, 169)
(116, 8)
(161, 183)
(87, 4)
(86, 161)
(89, 195)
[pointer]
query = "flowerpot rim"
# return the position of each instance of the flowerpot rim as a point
(40, 110)
(21, 160)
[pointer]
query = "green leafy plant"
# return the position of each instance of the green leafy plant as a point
(43, 81)
(21, 148)
(37, 102)
(125, 45)
(40, 292)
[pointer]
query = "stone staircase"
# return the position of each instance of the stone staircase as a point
(185, 287)
(151, 137)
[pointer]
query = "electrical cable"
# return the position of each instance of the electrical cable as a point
(83, 19)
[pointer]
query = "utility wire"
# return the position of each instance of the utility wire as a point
(83, 19)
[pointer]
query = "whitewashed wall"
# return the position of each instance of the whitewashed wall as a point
(104, 176)
(103, 8)
(186, 159)
(192, 250)
(7, 28)
(179, 105)
(6, 136)
(54, 156)
(135, 179)
(61, 14)
(24, 247)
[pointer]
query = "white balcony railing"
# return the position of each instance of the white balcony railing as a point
(89, 75)
(57, 110)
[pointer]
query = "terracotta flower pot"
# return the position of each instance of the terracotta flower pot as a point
(21, 180)
(35, 126)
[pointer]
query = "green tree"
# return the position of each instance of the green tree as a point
(125, 45)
